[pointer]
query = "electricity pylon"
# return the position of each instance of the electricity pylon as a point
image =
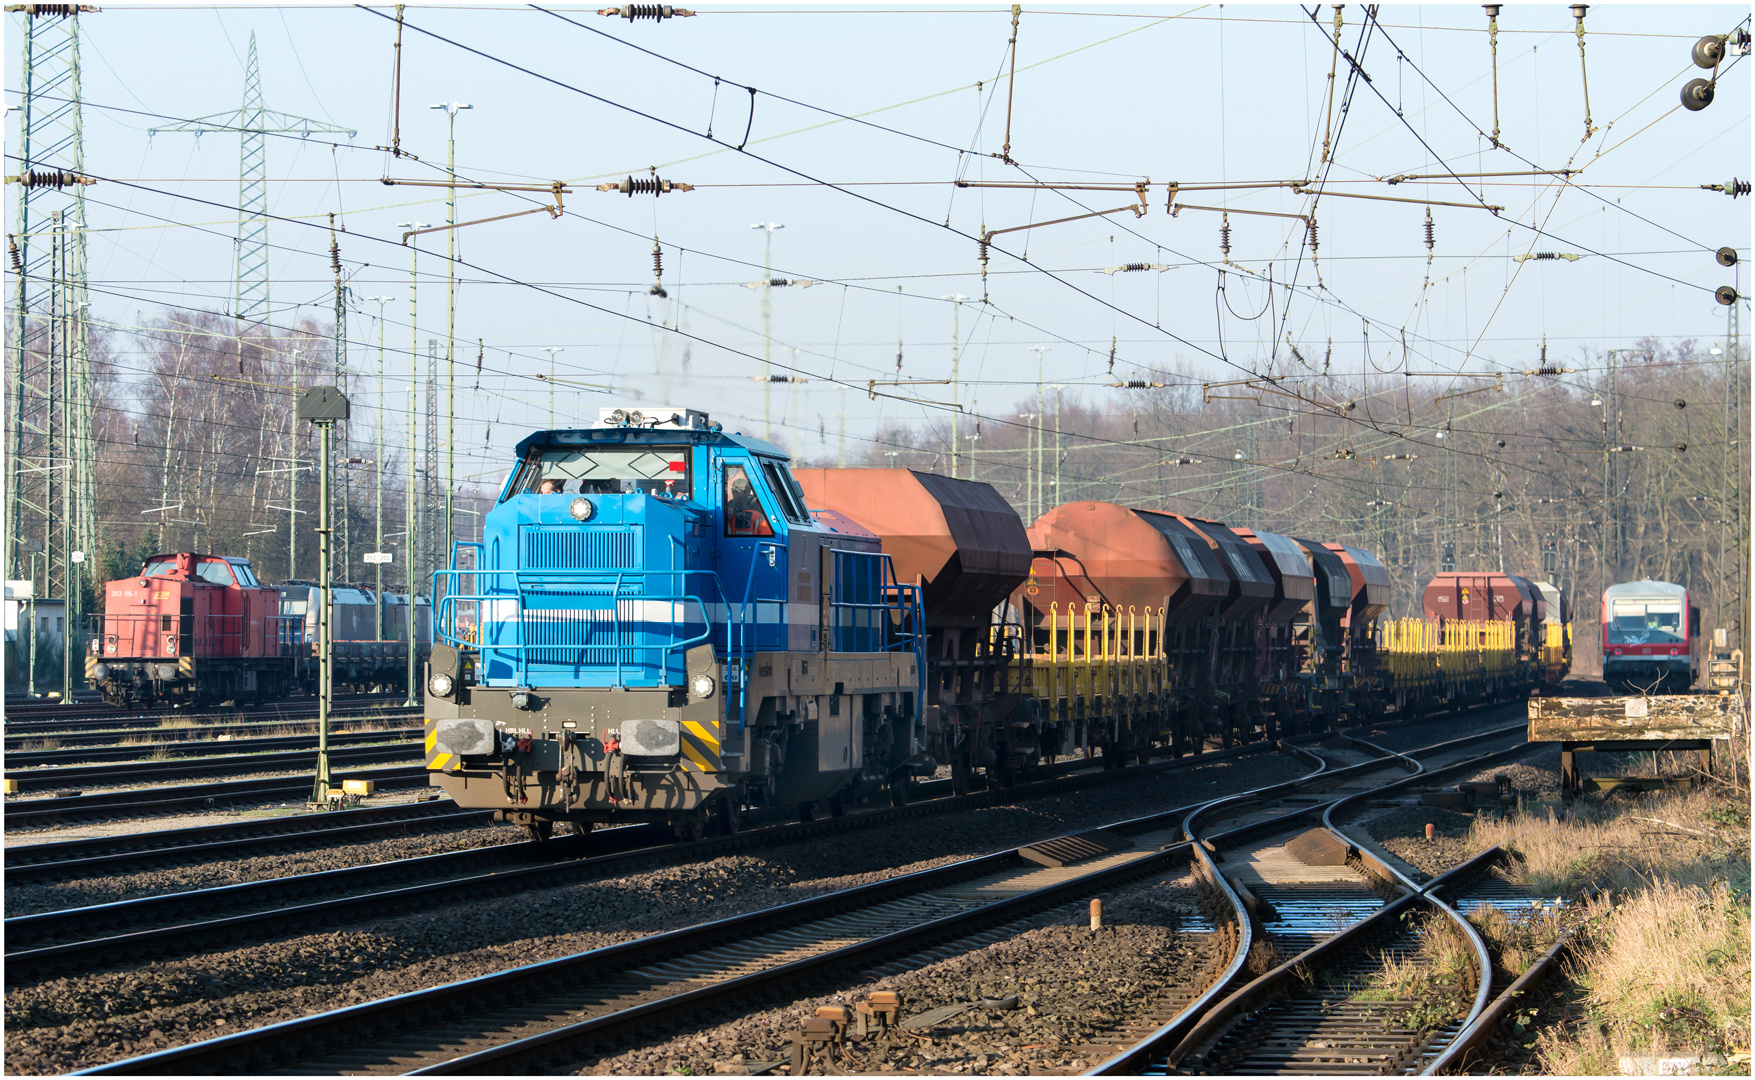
(254, 124)
(48, 398)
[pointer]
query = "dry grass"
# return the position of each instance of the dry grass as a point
(1682, 837)
(1431, 986)
(1667, 972)
(41, 745)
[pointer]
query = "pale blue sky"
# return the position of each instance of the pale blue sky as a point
(1107, 94)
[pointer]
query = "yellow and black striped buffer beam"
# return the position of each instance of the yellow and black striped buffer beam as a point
(438, 758)
(700, 745)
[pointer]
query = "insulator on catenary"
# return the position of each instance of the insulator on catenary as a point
(49, 178)
(655, 12)
(657, 288)
(1733, 189)
(1310, 228)
(1430, 236)
(12, 249)
(63, 10)
(1225, 236)
(645, 185)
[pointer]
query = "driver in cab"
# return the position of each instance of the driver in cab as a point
(743, 511)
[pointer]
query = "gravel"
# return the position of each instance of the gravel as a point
(1071, 986)
(1534, 777)
(34, 897)
(70, 1023)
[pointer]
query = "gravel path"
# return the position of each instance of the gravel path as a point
(1071, 986)
(71, 1023)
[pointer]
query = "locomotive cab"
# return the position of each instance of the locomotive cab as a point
(655, 627)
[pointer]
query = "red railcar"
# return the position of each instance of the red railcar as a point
(189, 629)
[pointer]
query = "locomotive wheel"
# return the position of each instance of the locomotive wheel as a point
(690, 826)
(540, 829)
(730, 815)
(899, 790)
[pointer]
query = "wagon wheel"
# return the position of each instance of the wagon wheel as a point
(730, 815)
(540, 829)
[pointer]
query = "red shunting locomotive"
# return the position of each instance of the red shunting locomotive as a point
(190, 629)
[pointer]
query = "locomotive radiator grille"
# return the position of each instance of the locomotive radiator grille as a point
(581, 548)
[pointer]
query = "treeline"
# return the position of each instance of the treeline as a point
(1623, 469)
(196, 445)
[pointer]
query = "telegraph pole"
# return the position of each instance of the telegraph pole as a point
(1034, 462)
(323, 406)
(451, 108)
(956, 300)
(552, 352)
(378, 486)
(340, 349)
(767, 322)
(408, 495)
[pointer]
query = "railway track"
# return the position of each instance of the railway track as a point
(146, 772)
(185, 749)
(179, 923)
(458, 875)
(546, 1017)
(149, 727)
(1344, 916)
(132, 852)
(208, 795)
(115, 720)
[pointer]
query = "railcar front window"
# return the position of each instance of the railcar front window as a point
(1637, 622)
(606, 470)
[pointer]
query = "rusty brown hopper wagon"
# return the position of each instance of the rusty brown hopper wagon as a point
(966, 547)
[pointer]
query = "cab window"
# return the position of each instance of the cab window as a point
(605, 470)
(780, 483)
(160, 568)
(214, 572)
(743, 509)
(246, 576)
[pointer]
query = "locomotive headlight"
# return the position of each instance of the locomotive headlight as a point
(581, 509)
(703, 686)
(101, 671)
(440, 684)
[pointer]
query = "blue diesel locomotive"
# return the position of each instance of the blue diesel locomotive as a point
(655, 628)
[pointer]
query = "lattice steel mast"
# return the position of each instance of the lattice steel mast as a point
(48, 400)
(253, 123)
